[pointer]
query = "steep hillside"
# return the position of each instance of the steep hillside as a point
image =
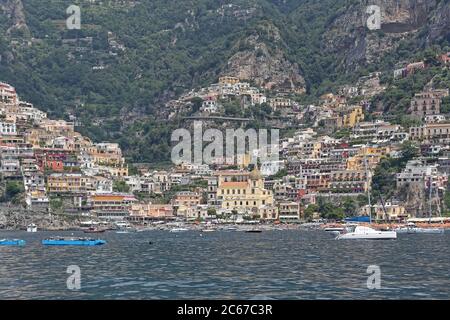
(132, 56)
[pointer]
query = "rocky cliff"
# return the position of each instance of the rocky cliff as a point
(261, 58)
(349, 37)
(14, 11)
(17, 218)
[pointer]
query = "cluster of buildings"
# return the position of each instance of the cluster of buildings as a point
(227, 88)
(55, 161)
(50, 157)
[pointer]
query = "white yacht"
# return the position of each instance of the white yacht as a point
(32, 228)
(358, 232)
(366, 233)
(411, 228)
(178, 230)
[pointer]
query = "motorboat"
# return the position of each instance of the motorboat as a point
(94, 230)
(331, 229)
(335, 230)
(178, 230)
(365, 233)
(12, 242)
(32, 228)
(122, 225)
(72, 242)
(411, 228)
(253, 230)
(122, 231)
(229, 228)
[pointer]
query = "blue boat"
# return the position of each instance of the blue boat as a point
(72, 242)
(12, 242)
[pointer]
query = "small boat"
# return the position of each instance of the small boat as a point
(229, 229)
(253, 230)
(12, 242)
(72, 242)
(208, 230)
(32, 228)
(366, 233)
(122, 231)
(411, 228)
(334, 229)
(178, 230)
(94, 230)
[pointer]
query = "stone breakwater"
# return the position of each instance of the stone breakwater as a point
(17, 218)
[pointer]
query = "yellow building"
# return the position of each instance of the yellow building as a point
(69, 183)
(247, 196)
(390, 212)
(106, 154)
(371, 154)
(354, 116)
(114, 205)
(118, 171)
(228, 80)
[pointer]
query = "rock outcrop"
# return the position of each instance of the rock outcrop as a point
(15, 13)
(260, 58)
(16, 218)
(349, 37)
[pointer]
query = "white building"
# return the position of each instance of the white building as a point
(269, 168)
(209, 106)
(7, 128)
(418, 172)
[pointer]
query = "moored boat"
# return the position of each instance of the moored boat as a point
(253, 230)
(359, 232)
(411, 228)
(122, 231)
(334, 229)
(32, 228)
(12, 242)
(72, 242)
(366, 233)
(178, 230)
(94, 230)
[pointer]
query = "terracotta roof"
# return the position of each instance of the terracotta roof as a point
(233, 184)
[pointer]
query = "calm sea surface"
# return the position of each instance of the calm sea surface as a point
(292, 264)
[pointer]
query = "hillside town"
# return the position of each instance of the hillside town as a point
(47, 165)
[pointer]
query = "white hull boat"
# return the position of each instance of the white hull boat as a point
(178, 230)
(208, 230)
(32, 228)
(366, 233)
(420, 230)
(411, 228)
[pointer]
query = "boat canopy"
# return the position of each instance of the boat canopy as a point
(358, 219)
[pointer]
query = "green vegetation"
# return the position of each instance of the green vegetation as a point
(186, 45)
(384, 179)
(56, 204)
(280, 174)
(120, 186)
(13, 189)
